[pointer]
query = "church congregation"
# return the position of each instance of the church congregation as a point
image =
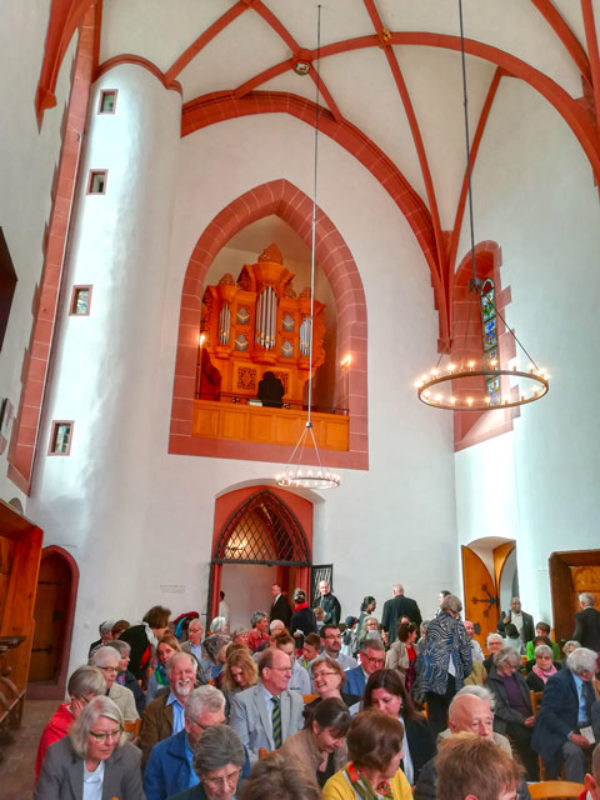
(333, 710)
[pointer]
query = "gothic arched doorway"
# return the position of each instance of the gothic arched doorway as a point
(262, 535)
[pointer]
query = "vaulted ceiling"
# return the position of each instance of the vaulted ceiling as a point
(384, 79)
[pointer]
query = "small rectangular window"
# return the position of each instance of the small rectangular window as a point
(97, 184)
(80, 301)
(60, 441)
(108, 101)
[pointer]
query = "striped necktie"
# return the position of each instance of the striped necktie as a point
(276, 717)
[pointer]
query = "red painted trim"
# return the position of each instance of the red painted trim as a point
(267, 75)
(294, 207)
(65, 17)
(43, 691)
(207, 36)
(221, 106)
(97, 32)
(35, 364)
(128, 58)
(460, 208)
(566, 36)
(276, 24)
(589, 24)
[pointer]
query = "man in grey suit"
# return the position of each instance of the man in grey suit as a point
(268, 713)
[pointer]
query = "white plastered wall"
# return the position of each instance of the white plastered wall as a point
(534, 194)
(138, 521)
(28, 158)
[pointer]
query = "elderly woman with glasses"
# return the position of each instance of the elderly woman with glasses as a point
(218, 761)
(94, 760)
(329, 679)
(107, 659)
(84, 684)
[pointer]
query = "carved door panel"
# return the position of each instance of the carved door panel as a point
(50, 616)
(481, 601)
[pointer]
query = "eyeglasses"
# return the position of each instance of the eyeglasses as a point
(324, 674)
(373, 659)
(230, 780)
(109, 669)
(101, 737)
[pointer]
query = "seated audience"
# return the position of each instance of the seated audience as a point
(84, 684)
(125, 677)
(568, 710)
(164, 716)
(367, 607)
(143, 639)
(542, 669)
(106, 635)
(370, 629)
(476, 651)
(217, 763)
(329, 679)
(220, 625)
(385, 692)
(311, 648)
(300, 680)
(275, 778)
(193, 644)
(268, 713)
(474, 768)
(94, 760)
(494, 644)
(215, 650)
(513, 706)
(107, 660)
(320, 746)
(331, 639)
(372, 658)
(166, 647)
(536, 642)
(303, 619)
(568, 648)
(402, 655)
(240, 636)
(468, 713)
(169, 768)
(542, 629)
(258, 634)
(375, 751)
(481, 693)
(240, 672)
(513, 639)
(118, 628)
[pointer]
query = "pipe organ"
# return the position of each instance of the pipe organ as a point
(258, 324)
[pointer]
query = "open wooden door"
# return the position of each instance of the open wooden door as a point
(481, 599)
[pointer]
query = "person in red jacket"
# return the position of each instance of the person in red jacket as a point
(84, 684)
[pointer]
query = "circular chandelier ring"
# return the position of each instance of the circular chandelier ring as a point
(453, 403)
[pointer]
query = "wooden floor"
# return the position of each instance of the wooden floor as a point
(18, 757)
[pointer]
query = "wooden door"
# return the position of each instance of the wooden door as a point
(481, 600)
(51, 618)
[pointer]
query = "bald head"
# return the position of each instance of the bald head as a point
(470, 714)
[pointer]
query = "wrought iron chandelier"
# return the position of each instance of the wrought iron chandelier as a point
(295, 474)
(468, 383)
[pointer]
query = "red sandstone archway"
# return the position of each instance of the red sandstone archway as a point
(282, 198)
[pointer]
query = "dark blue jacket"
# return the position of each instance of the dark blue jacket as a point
(168, 771)
(355, 681)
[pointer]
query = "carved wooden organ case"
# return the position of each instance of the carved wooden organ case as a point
(255, 325)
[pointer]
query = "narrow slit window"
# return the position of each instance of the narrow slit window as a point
(97, 183)
(108, 101)
(60, 441)
(80, 301)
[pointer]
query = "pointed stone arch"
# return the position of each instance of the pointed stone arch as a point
(285, 200)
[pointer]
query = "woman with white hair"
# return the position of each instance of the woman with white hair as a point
(542, 669)
(94, 760)
(107, 659)
(218, 761)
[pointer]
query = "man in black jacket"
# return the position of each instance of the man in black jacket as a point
(520, 619)
(330, 605)
(280, 609)
(397, 607)
(587, 623)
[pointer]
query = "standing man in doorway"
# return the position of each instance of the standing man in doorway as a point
(522, 621)
(280, 608)
(330, 605)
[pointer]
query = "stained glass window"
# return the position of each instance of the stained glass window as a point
(490, 338)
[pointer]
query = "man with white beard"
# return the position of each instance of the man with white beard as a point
(164, 716)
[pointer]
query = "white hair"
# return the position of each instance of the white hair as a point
(582, 660)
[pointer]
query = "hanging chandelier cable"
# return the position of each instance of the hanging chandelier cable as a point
(466, 388)
(294, 474)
